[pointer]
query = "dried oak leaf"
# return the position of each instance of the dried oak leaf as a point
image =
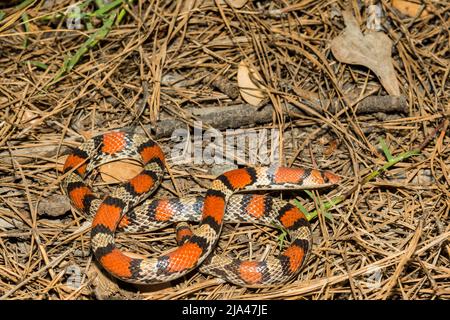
(250, 84)
(372, 50)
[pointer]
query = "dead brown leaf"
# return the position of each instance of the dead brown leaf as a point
(249, 82)
(372, 50)
(119, 171)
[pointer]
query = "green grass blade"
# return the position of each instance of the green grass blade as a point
(312, 215)
(301, 207)
(385, 149)
(106, 8)
(121, 15)
(24, 4)
(99, 3)
(38, 64)
(26, 24)
(282, 237)
(310, 194)
(401, 157)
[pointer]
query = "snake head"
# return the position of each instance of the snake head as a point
(331, 177)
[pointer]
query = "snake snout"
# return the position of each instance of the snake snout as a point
(331, 177)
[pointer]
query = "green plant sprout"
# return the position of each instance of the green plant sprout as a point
(38, 64)
(92, 41)
(108, 15)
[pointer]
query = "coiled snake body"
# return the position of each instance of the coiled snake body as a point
(217, 206)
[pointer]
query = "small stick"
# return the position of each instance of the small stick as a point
(244, 115)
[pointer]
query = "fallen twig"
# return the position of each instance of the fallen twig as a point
(220, 118)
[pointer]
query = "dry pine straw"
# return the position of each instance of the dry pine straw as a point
(394, 229)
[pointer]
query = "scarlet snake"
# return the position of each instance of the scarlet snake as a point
(197, 246)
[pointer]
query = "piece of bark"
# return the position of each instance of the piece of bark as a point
(374, 104)
(223, 85)
(244, 115)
